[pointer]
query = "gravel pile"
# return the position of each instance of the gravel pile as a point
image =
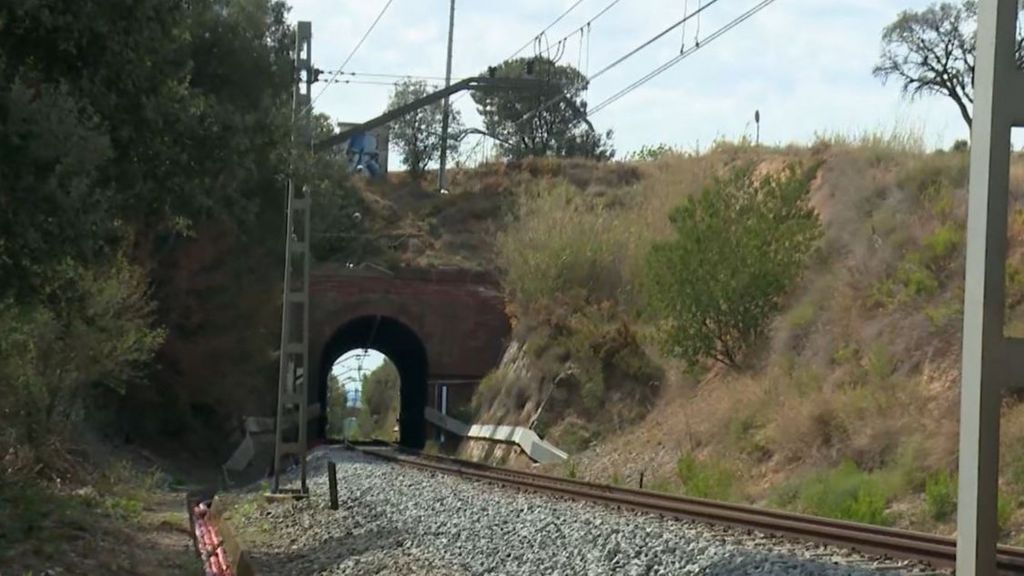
(396, 520)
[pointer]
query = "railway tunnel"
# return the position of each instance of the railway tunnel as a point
(404, 349)
(444, 330)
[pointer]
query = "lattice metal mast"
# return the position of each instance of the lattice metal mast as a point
(293, 381)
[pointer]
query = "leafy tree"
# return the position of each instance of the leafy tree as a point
(931, 51)
(337, 407)
(548, 120)
(417, 135)
(342, 229)
(216, 274)
(144, 137)
(739, 246)
(380, 396)
(98, 340)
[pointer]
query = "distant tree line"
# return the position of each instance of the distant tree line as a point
(376, 411)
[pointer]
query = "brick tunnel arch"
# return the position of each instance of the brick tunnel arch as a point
(404, 348)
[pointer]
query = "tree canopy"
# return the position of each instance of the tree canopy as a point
(931, 51)
(549, 120)
(380, 401)
(142, 144)
(417, 135)
(739, 246)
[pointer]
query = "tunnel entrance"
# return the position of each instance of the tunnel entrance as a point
(404, 348)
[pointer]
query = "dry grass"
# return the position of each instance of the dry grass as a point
(857, 380)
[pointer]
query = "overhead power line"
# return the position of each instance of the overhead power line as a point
(383, 75)
(587, 80)
(586, 25)
(534, 38)
(537, 37)
(686, 18)
(353, 52)
(429, 85)
(683, 55)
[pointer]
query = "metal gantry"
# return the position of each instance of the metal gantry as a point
(292, 399)
(992, 362)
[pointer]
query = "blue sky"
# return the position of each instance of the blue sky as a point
(805, 64)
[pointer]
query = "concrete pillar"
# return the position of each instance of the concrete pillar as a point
(988, 356)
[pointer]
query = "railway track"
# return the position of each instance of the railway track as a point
(937, 551)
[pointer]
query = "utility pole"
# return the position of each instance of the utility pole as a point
(293, 381)
(442, 180)
(992, 362)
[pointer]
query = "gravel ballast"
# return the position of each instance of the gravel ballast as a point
(398, 520)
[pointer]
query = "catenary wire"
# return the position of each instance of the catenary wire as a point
(587, 80)
(697, 46)
(352, 53)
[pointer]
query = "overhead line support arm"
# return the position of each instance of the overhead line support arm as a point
(475, 83)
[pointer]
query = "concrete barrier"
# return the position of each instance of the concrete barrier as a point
(532, 445)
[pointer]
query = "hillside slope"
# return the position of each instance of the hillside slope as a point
(847, 407)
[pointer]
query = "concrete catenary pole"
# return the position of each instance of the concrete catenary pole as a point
(991, 361)
(442, 180)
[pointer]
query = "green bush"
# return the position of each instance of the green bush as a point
(940, 495)
(846, 493)
(916, 279)
(706, 479)
(943, 243)
(124, 508)
(92, 328)
(917, 276)
(380, 402)
(739, 246)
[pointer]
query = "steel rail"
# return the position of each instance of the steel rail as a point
(938, 551)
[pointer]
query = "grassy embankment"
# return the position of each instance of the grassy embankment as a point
(846, 408)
